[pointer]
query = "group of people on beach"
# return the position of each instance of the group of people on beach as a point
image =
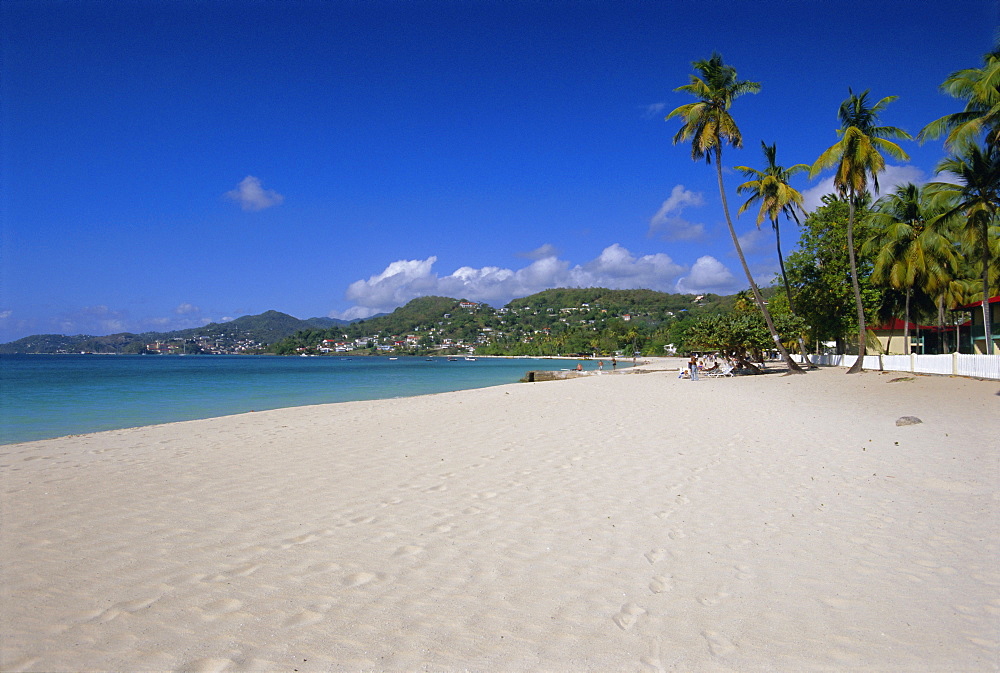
(704, 365)
(600, 365)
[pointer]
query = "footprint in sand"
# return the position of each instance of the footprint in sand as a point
(651, 663)
(628, 616)
(324, 567)
(221, 607)
(718, 645)
(244, 570)
(837, 603)
(304, 618)
(208, 665)
(656, 555)
(744, 573)
(305, 538)
(712, 601)
(125, 606)
(408, 550)
(359, 579)
(661, 584)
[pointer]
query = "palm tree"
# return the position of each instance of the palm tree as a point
(708, 125)
(912, 247)
(858, 155)
(980, 88)
(975, 204)
(957, 291)
(770, 188)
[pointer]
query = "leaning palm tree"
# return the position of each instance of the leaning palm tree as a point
(976, 206)
(980, 88)
(913, 248)
(858, 156)
(708, 125)
(770, 188)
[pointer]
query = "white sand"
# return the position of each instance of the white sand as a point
(608, 523)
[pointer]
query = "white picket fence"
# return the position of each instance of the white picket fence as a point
(953, 364)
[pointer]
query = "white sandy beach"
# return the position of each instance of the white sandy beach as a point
(623, 522)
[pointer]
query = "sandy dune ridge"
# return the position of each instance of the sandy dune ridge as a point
(622, 522)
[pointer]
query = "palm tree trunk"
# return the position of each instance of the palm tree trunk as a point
(942, 335)
(859, 364)
(789, 362)
(906, 324)
(987, 331)
(788, 289)
(781, 264)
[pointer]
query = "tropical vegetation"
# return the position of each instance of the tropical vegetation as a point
(914, 255)
(708, 125)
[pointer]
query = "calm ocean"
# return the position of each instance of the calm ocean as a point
(45, 396)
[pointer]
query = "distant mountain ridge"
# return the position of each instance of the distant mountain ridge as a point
(252, 332)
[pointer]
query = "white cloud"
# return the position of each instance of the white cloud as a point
(888, 180)
(98, 320)
(654, 110)
(617, 269)
(757, 241)
(946, 176)
(186, 309)
(401, 281)
(893, 176)
(708, 275)
(541, 252)
(404, 280)
(252, 196)
(668, 223)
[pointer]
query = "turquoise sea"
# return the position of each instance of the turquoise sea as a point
(45, 396)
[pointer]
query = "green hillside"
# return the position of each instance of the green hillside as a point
(248, 334)
(552, 322)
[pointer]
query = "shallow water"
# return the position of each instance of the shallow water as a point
(48, 396)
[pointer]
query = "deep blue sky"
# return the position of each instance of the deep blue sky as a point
(166, 164)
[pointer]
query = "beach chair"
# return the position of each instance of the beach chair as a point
(724, 370)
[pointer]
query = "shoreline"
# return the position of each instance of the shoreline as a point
(601, 523)
(11, 436)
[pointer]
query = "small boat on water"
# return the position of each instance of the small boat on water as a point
(468, 359)
(393, 358)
